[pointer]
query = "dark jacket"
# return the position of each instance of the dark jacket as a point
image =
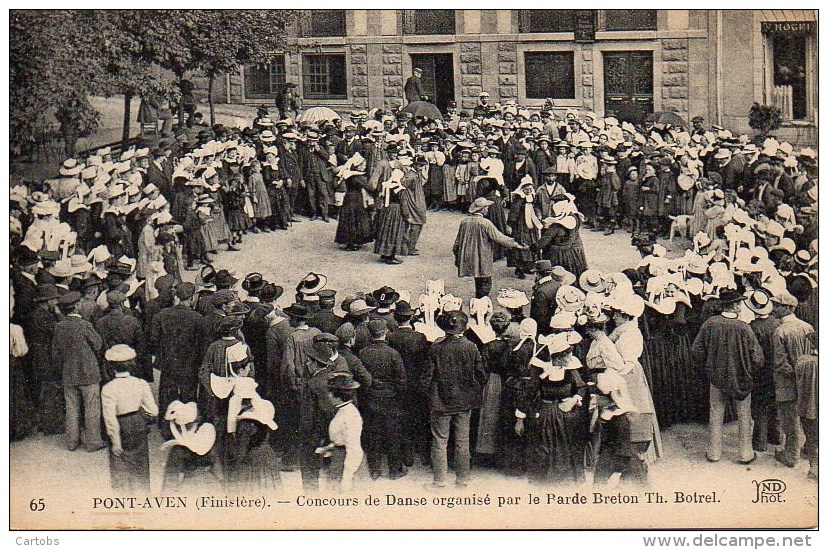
(543, 304)
(413, 89)
(76, 348)
(326, 321)
(413, 348)
(455, 375)
(388, 378)
(729, 353)
(119, 326)
(177, 341)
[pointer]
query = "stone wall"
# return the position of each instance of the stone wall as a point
(359, 75)
(675, 85)
(587, 76)
(507, 72)
(392, 76)
(471, 74)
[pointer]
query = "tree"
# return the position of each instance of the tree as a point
(764, 119)
(53, 66)
(221, 41)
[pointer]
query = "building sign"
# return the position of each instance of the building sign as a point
(584, 25)
(788, 27)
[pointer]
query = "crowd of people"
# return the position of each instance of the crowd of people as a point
(581, 385)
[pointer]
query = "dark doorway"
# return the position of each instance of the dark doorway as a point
(628, 85)
(438, 76)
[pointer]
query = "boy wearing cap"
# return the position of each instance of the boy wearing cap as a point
(126, 401)
(789, 343)
(75, 349)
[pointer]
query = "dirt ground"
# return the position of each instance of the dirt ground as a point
(42, 465)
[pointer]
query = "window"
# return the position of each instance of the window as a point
(327, 23)
(547, 20)
(428, 22)
(265, 80)
(550, 74)
(631, 20)
(324, 76)
(789, 84)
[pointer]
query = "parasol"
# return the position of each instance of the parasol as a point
(668, 117)
(315, 115)
(423, 109)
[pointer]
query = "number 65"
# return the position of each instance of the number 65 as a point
(37, 505)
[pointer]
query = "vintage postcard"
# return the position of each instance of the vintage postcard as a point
(413, 269)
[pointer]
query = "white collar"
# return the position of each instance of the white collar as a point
(729, 315)
(122, 375)
(788, 318)
(544, 279)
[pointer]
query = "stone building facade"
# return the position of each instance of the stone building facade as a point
(693, 62)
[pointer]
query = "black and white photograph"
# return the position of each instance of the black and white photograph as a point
(413, 269)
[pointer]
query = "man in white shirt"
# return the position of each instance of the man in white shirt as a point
(127, 401)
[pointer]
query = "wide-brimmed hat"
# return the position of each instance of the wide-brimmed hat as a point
(71, 167)
(312, 283)
(511, 298)
(322, 349)
(785, 299)
(342, 381)
(270, 292)
(541, 266)
(404, 309)
(570, 298)
(627, 303)
(592, 280)
(61, 269)
(359, 307)
(386, 296)
(297, 311)
(759, 302)
(479, 204)
(46, 292)
(453, 322)
(253, 282)
(225, 279)
(729, 296)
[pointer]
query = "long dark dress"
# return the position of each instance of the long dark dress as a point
(517, 376)
(354, 227)
(130, 471)
(389, 238)
(252, 463)
(564, 247)
(555, 439)
(523, 234)
(676, 381)
(20, 407)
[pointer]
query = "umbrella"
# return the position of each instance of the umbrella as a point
(669, 117)
(423, 109)
(315, 115)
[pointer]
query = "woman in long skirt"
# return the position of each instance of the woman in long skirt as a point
(354, 227)
(259, 196)
(496, 356)
(20, 409)
(252, 462)
(562, 246)
(553, 415)
(517, 376)
(389, 238)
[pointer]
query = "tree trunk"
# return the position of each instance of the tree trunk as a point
(210, 98)
(179, 75)
(127, 117)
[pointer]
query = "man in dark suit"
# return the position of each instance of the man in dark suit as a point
(75, 348)
(156, 174)
(24, 281)
(413, 348)
(177, 339)
(414, 86)
(547, 283)
(382, 407)
(118, 325)
(453, 381)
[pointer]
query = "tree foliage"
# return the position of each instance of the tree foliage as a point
(764, 118)
(60, 57)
